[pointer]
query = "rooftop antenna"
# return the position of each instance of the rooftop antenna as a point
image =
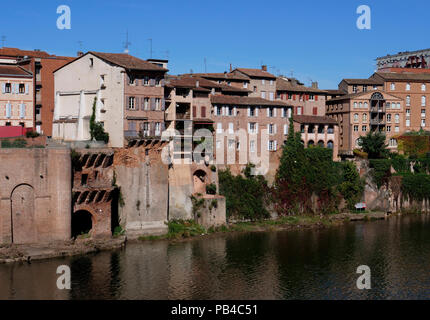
(80, 45)
(205, 64)
(150, 47)
(126, 43)
(166, 53)
(292, 73)
(3, 40)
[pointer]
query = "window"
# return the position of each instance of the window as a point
(91, 62)
(355, 104)
(230, 111)
(355, 128)
(364, 128)
(218, 111)
(408, 122)
(290, 96)
(219, 127)
(252, 146)
(271, 82)
(423, 87)
(375, 87)
(157, 82)
(231, 128)
(22, 111)
(271, 128)
(388, 105)
(238, 145)
(271, 96)
(311, 97)
(393, 143)
(252, 127)
(21, 88)
(364, 88)
(130, 80)
(157, 104)
(408, 87)
(389, 117)
(218, 144)
(131, 103)
(423, 113)
(157, 128)
(423, 122)
(145, 129)
(252, 112)
(272, 145)
(146, 80)
(255, 88)
(263, 81)
(360, 105)
(393, 86)
(396, 129)
(366, 105)
(408, 101)
(8, 110)
(299, 111)
(423, 101)
(364, 117)
(7, 88)
(355, 117)
(231, 143)
(263, 94)
(397, 118)
(354, 88)
(388, 128)
(408, 112)
(146, 104)
(245, 84)
(270, 112)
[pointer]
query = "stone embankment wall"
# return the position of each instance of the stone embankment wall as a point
(35, 195)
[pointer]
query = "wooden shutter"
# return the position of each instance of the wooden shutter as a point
(316, 97)
(142, 105)
(294, 97)
(152, 103)
(203, 112)
(315, 111)
(194, 111)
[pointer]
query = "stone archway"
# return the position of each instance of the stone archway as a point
(82, 222)
(22, 215)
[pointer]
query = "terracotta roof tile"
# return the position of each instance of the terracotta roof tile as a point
(127, 61)
(14, 71)
(363, 81)
(15, 52)
(284, 85)
(245, 101)
(403, 76)
(314, 119)
(258, 73)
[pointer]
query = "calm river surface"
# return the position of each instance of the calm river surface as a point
(303, 264)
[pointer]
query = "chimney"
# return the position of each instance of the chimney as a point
(231, 68)
(197, 83)
(80, 53)
(264, 67)
(315, 85)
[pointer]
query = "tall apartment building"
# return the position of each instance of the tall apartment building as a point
(128, 92)
(16, 99)
(41, 65)
(305, 100)
(359, 113)
(413, 87)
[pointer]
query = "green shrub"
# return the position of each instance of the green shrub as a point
(31, 134)
(211, 188)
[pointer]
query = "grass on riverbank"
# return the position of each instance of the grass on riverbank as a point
(181, 229)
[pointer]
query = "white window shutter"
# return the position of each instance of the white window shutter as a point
(249, 112)
(223, 110)
(276, 129)
(268, 128)
(249, 127)
(26, 88)
(268, 145)
(256, 128)
(274, 112)
(276, 145)
(3, 88)
(268, 112)
(8, 110)
(256, 111)
(285, 129)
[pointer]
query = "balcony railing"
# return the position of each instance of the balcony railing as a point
(183, 116)
(377, 109)
(377, 121)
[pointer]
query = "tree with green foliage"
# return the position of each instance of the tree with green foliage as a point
(97, 131)
(351, 187)
(374, 145)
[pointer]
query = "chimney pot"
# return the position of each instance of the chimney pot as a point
(80, 53)
(264, 67)
(315, 85)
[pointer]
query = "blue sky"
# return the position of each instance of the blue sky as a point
(316, 40)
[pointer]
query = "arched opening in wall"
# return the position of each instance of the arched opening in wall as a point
(321, 144)
(311, 143)
(82, 223)
(23, 226)
(200, 179)
(330, 144)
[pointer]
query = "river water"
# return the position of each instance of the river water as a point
(302, 264)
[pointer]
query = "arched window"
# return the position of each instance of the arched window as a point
(423, 87)
(408, 87)
(423, 101)
(357, 142)
(330, 144)
(397, 118)
(393, 143)
(364, 117)
(408, 100)
(366, 105)
(311, 143)
(321, 144)
(355, 117)
(393, 86)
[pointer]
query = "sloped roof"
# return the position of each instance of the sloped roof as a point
(15, 52)
(191, 82)
(257, 73)
(403, 76)
(245, 101)
(359, 94)
(14, 71)
(314, 119)
(284, 85)
(127, 61)
(223, 76)
(363, 81)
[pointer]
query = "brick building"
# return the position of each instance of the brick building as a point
(16, 99)
(41, 65)
(262, 84)
(129, 96)
(305, 100)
